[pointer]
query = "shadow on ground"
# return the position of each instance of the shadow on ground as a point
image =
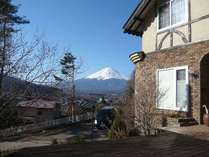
(165, 145)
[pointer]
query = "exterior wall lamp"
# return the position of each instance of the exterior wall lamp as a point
(137, 57)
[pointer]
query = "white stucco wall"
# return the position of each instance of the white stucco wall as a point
(149, 38)
(200, 30)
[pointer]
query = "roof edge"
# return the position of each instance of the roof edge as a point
(134, 16)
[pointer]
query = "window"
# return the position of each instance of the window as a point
(178, 11)
(172, 88)
(181, 94)
(166, 89)
(172, 13)
(164, 16)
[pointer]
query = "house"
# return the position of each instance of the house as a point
(175, 44)
(37, 110)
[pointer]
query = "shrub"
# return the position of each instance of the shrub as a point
(78, 140)
(126, 103)
(118, 128)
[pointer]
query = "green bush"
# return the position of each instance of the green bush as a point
(77, 140)
(98, 108)
(2, 154)
(118, 128)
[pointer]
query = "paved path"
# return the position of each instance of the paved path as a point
(196, 131)
(62, 135)
(166, 145)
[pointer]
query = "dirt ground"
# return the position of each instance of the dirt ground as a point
(165, 145)
(64, 134)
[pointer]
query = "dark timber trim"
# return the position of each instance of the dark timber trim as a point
(171, 38)
(161, 42)
(182, 35)
(127, 29)
(156, 36)
(200, 18)
(138, 19)
(192, 21)
(171, 32)
(190, 24)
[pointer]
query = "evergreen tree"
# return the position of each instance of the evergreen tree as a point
(68, 73)
(68, 70)
(68, 66)
(8, 20)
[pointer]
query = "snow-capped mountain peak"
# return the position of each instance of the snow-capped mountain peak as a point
(105, 74)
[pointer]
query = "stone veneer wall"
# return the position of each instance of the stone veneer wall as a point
(190, 55)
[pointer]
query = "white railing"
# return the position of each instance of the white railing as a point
(15, 131)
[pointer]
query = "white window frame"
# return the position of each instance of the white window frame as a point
(175, 108)
(172, 25)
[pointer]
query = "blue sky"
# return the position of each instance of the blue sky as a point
(91, 29)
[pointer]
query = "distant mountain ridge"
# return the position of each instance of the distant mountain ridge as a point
(23, 88)
(101, 86)
(104, 81)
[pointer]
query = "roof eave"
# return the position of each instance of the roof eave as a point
(135, 16)
(136, 33)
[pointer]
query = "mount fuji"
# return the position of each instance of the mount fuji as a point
(105, 74)
(106, 80)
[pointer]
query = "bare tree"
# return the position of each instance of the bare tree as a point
(29, 64)
(8, 18)
(127, 101)
(146, 97)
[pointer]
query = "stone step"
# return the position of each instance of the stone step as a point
(188, 121)
(185, 120)
(182, 124)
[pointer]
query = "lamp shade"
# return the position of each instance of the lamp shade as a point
(137, 57)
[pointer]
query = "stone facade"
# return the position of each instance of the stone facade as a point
(193, 55)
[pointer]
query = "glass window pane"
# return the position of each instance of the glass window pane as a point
(178, 12)
(164, 16)
(181, 74)
(181, 89)
(166, 95)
